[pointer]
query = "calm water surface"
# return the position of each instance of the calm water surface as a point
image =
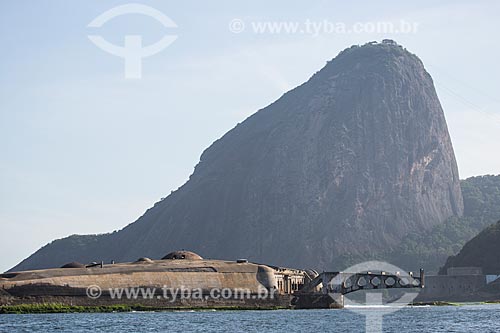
(468, 318)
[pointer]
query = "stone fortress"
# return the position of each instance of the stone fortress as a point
(245, 284)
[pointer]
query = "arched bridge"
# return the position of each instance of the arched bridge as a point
(328, 288)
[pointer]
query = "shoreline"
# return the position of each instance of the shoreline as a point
(50, 308)
(63, 308)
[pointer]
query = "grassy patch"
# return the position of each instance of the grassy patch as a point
(437, 303)
(62, 308)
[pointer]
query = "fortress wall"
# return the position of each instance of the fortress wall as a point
(451, 287)
(174, 274)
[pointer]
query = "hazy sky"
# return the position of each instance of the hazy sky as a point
(84, 150)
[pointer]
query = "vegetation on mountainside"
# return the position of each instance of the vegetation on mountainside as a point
(482, 251)
(431, 249)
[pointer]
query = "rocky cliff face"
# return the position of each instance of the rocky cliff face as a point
(337, 169)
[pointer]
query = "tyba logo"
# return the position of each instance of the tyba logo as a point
(132, 51)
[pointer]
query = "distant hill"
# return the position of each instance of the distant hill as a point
(483, 199)
(431, 249)
(337, 170)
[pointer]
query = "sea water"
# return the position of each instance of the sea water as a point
(465, 318)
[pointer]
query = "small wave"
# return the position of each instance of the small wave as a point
(374, 306)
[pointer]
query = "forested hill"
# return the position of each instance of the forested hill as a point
(431, 249)
(482, 251)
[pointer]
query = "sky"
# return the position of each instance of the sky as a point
(85, 150)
